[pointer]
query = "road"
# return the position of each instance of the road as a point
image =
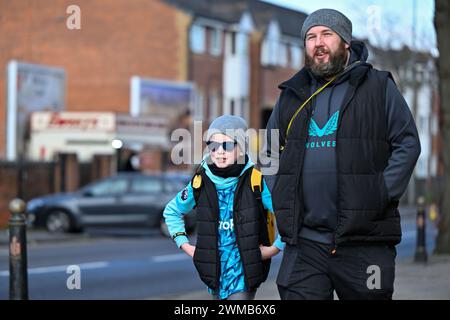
(131, 265)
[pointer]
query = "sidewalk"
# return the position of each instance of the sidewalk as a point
(412, 282)
(42, 236)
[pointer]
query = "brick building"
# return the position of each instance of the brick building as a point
(236, 52)
(118, 39)
(239, 51)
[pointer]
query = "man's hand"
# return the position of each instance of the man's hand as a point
(268, 252)
(189, 249)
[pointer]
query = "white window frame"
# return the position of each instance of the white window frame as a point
(197, 39)
(199, 105)
(283, 54)
(242, 45)
(296, 56)
(215, 41)
(213, 105)
(270, 47)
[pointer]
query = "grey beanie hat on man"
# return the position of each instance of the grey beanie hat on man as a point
(234, 127)
(332, 19)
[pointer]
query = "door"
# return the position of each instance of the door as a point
(103, 202)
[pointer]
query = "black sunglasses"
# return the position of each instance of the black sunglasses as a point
(226, 145)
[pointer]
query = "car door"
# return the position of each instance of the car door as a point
(102, 202)
(146, 198)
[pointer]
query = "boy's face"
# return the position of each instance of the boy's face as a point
(220, 157)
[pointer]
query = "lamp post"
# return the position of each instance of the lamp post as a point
(117, 145)
(421, 248)
(18, 269)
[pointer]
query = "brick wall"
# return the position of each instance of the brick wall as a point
(118, 39)
(40, 178)
(207, 73)
(37, 180)
(270, 79)
(255, 77)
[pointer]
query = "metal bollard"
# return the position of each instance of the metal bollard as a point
(18, 268)
(421, 249)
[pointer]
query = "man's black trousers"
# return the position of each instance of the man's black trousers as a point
(312, 270)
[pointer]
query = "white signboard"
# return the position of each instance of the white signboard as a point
(151, 131)
(73, 121)
(30, 88)
(83, 133)
(167, 99)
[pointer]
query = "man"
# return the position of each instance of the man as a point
(348, 146)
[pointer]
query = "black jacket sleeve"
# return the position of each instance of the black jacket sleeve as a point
(404, 140)
(273, 124)
(271, 148)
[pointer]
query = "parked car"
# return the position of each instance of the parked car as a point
(127, 199)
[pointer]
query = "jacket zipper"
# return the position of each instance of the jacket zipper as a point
(216, 232)
(218, 264)
(295, 237)
(335, 245)
(305, 131)
(235, 227)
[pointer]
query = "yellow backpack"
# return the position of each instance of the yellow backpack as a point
(256, 184)
(269, 217)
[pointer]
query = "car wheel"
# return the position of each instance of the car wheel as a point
(163, 228)
(58, 221)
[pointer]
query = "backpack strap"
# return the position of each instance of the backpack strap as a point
(256, 182)
(269, 219)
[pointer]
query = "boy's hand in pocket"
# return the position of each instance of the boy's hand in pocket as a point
(268, 252)
(189, 249)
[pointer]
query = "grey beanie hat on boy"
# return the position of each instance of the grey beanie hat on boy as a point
(234, 127)
(332, 19)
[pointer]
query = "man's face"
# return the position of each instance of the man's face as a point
(326, 52)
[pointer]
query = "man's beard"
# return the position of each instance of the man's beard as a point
(336, 62)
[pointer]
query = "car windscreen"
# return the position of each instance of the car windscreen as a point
(146, 185)
(109, 186)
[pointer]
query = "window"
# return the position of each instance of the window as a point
(233, 43)
(265, 53)
(282, 55)
(273, 52)
(271, 44)
(198, 107)
(197, 39)
(296, 56)
(109, 187)
(213, 105)
(434, 124)
(242, 44)
(215, 44)
(433, 165)
(422, 167)
(243, 110)
(269, 52)
(422, 124)
(146, 185)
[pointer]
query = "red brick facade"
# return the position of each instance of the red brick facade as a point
(117, 39)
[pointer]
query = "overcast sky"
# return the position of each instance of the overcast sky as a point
(391, 20)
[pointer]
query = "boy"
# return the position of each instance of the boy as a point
(233, 251)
